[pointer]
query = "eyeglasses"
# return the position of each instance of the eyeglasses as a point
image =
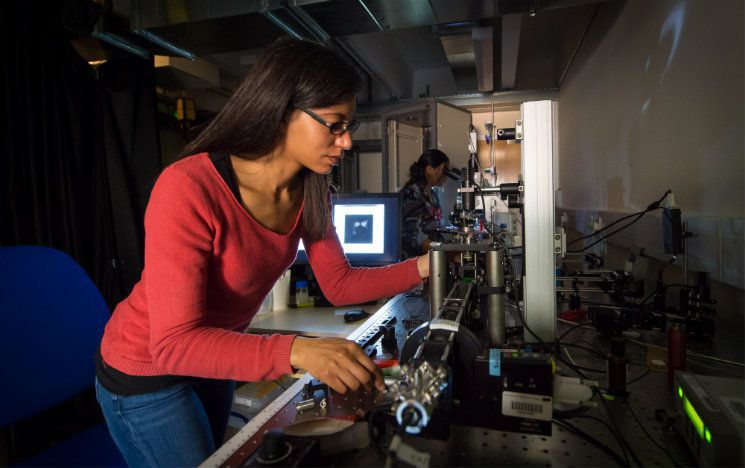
(336, 128)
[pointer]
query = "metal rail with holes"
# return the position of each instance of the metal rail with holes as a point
(244, 443)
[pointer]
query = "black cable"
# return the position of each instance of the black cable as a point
(638, 217)
(664, 266)
(611, 453)
(619, 439)
(483, 203)
(650, 437)
(652, 206)
(525, 325)
(653, 293)
(571, 329)
(618, 434)
(598, 353)
(584, 301)
(371, 431)
(577, 370)
(636, 379)
(585, 348)
(511, 264)
(606, 227)
(577, 366)
(588, 343)
(238, 415)
(622, 442)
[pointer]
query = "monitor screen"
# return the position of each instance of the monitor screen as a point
(368, 226)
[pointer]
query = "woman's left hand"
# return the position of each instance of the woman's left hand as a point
(422, 263)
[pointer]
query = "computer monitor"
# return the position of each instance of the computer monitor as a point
(368, 226)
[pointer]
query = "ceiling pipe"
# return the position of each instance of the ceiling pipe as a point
(511, 25)
(121, 43)
(282, 25)
(155, 39)
(309, 23)
(370, 13)
(135, 26)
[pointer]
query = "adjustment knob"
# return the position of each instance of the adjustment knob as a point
(274, 448)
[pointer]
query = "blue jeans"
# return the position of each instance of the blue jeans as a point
(180, 425)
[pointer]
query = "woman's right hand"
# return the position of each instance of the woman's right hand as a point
(339, 363)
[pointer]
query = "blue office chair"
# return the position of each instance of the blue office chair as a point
(51, 321)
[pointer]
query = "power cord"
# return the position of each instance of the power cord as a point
(611, 453)
(669, 456)
(652, 206)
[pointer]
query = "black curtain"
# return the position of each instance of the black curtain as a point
(79, 146)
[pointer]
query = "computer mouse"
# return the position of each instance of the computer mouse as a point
(354, 315)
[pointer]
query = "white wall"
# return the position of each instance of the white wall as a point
(371, 172)
(657, 104)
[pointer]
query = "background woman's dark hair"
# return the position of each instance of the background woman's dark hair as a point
(431, 157)
(289, 73)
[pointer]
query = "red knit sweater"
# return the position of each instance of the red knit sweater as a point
(208, 266)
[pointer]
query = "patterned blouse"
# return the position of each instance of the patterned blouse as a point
(422, 219)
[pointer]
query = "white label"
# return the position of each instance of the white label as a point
(526, 405)
(239, 400)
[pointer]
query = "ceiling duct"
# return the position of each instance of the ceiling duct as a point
(409, 47)
(185, 74)
(487, 58)
(511, 25)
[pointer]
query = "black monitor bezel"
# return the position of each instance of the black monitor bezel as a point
(359, 198)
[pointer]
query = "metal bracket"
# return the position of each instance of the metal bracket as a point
(518, 130)
(560, 242)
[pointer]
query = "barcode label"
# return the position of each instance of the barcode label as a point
(526, 405)
(529, 407)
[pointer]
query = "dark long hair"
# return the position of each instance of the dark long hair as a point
(289, 73)
(430, 157)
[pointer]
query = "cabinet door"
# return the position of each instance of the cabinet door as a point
(452, 139)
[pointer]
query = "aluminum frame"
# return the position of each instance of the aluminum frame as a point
(538, 153)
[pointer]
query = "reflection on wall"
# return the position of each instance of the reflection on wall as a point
(657, 103)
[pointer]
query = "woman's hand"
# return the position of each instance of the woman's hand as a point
(339, 363)
(426, 245)
(422, 263)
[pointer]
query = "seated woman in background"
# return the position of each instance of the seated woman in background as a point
(422, 214)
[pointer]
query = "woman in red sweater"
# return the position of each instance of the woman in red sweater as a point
(221, 226)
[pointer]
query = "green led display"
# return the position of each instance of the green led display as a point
(708, 435)
(698, 423)
(680, 392)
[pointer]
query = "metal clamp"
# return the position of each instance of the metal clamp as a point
(305, 405)
(560, 242)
